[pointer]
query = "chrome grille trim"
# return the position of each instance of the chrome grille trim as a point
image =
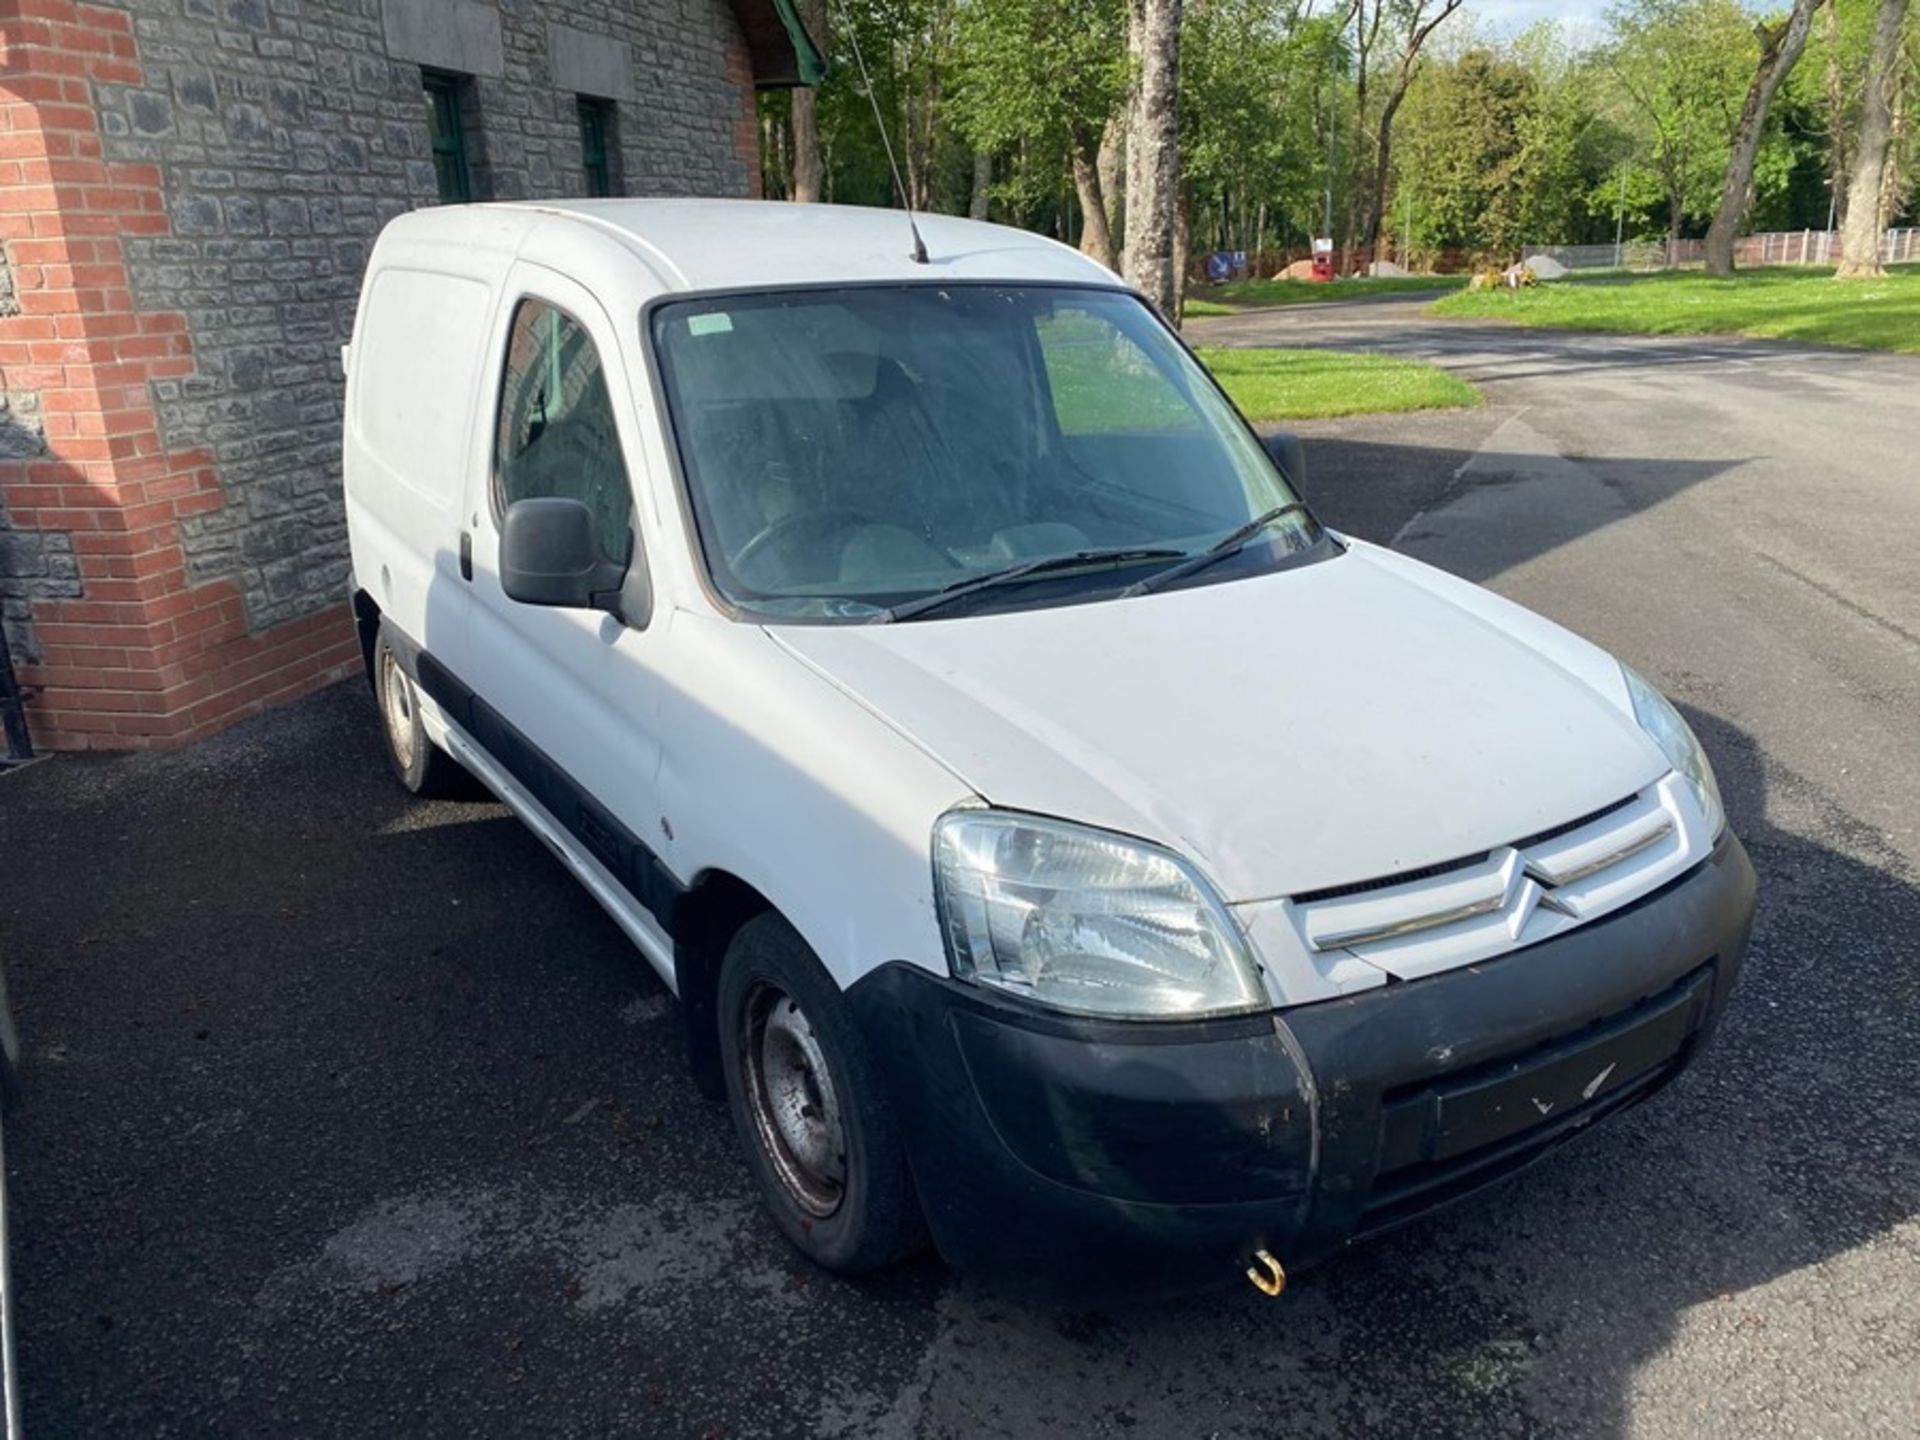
(1606, 861)
(1436, 918)
(1342, 939)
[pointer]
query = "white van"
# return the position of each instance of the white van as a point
(1061, 843)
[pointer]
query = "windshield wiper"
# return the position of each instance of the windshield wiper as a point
(1233, 541)
(1026, 569)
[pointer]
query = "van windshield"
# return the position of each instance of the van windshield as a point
(848, 452)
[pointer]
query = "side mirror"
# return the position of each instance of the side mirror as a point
(1290, 455)
(549, 555)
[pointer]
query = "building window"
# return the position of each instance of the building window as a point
(596, 145)
(447, 134)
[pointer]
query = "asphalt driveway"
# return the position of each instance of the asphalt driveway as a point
(350, 1114)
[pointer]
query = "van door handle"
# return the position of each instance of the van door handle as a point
(466, 555)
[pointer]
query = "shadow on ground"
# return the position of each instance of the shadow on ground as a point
(1413, 493)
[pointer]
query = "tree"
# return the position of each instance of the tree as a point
(1860, 235)
(809, 168)
(980, 200)
(1780, 46)
(1476, 125)
(1677, 66)
(1047, 75)
(1834, 112)
(1153, 152)
(1414, 22)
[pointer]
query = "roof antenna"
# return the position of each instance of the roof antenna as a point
(919, 252)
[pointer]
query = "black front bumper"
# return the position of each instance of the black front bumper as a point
(1109, 1157)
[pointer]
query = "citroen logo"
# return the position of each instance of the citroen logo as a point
(1532, 895)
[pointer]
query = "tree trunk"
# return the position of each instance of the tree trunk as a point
(1112, 165)
(1893, 192)
(776, 166)
(1839, 153)
(910, 153)
(1364, 34)
(922, 113)
(1096, 242)
(1153, 151)
(1383, 166)
(1780, 47)
(979, 205)
(1182, 245)
(809, 169)
(1860, 237)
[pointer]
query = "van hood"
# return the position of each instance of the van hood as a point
(1323, 725)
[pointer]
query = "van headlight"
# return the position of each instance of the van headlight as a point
(1086, 921)
(1678, 743)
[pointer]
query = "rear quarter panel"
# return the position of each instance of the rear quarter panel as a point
(415, 392)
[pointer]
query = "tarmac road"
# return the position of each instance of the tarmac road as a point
(352, 1115)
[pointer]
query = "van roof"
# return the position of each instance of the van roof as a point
(731, 244)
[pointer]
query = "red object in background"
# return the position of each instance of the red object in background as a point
(1323, 260)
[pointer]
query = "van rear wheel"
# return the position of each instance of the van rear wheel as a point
(811, 1107)
(420, 765)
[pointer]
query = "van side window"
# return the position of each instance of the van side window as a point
(556, 435)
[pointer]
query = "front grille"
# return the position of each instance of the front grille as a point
(1445, 867)
(1441, 1140)
(1443, 916)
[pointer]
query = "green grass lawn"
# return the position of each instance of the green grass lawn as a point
(1192, 308)
(1320, 384)
(1780, 303)
(1238, 295)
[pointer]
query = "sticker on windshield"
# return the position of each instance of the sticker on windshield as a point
(716, 323)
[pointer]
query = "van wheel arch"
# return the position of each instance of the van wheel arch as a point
(366, 623)
(705, 920)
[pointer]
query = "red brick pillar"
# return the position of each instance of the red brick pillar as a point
(131, 655)
(746, 129)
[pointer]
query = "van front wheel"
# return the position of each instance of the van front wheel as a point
(417, 762)
(811, 1107)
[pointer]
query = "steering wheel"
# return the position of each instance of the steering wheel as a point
(821, 524)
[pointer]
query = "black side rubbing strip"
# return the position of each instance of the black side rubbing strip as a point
(627, 857)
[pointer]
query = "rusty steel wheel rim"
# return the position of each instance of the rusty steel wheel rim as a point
(396, 708)
(792, 1098)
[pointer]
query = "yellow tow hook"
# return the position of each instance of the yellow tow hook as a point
(1266, 1274)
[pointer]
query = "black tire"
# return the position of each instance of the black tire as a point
(417, 763)
(872, 1217)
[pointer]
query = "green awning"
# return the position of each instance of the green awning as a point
(783, 54)
(809, 63)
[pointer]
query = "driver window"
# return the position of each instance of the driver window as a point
(556, 433)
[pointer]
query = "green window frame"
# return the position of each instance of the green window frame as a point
(596, 159)
(447, 137)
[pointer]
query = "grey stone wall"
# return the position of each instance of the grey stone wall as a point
(287, 134)
(34, 564)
